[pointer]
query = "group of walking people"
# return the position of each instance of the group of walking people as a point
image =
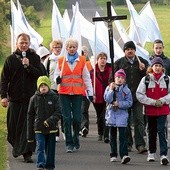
(42, 88)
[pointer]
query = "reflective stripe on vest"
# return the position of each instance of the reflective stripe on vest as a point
(72, 76)
(72, 82)
(69, 84)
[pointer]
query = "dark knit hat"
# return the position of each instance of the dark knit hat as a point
(157, 60)
(43, 80)
(121, 73)
(129, 44)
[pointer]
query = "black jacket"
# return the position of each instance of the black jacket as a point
(43, 107)
(19, 83)
(133, 73)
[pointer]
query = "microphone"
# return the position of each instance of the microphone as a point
(24, 56)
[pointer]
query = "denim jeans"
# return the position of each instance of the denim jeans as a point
(157, 124)
(46, 150)
(72, 116)
(123, 150)
(136, 112)
(85, 113)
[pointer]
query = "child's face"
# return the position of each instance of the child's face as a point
(119, 80)
(158, 48)
(72, 48)
(157, 68)
(43, 88)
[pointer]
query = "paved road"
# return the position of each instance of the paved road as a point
(93, 155)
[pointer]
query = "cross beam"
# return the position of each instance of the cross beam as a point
(109, 19)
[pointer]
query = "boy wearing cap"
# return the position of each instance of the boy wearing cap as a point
(135, 68)
(119, 99)
(42, 119)
(156, 98)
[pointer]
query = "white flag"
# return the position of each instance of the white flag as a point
(17, 25)
(137, 31)
(75, 31)
(35, 38)
(66, 19)
(149, 20)
(140, 51)
(59, 30)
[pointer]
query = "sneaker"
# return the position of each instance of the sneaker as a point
(69, 150)
(141, 149)
(151, 157)
(164, 160)
(125, 159)
(57, 138)
(113, 159)
(106, 140)
(28, 159)
(84, 132)
(100, 138)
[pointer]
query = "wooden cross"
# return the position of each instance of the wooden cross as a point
(109, 19)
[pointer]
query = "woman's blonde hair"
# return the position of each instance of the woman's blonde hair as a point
(71, 41)
(55, 43)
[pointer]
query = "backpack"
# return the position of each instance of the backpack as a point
(147, 79)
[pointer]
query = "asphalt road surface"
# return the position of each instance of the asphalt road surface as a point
(93, 155)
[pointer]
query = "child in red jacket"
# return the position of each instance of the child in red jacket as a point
(156, 98)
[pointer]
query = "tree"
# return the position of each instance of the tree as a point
(3, 26)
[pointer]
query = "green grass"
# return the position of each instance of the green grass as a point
(3, 143)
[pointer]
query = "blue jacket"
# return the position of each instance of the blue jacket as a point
(119, 117)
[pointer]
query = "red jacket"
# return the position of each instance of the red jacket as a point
(101, 82)
(156, 94)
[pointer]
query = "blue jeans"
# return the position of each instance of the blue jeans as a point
(72, 116)
(157, 124)
(45, 150)
(123, 147)
(85, 113)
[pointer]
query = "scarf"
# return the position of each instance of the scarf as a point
(72, 58)
(157, 75)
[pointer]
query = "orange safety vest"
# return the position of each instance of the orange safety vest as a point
(72, 81)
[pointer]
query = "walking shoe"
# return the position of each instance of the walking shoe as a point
(100, 138)
(164, 160)
(106, 140)
(141, 149)
(125, 159)
(28, 159)
(84, 132)
(113, 159)
(57, 138)
(151, 157)
(69, 150)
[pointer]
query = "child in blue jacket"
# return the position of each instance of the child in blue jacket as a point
(119, 99)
